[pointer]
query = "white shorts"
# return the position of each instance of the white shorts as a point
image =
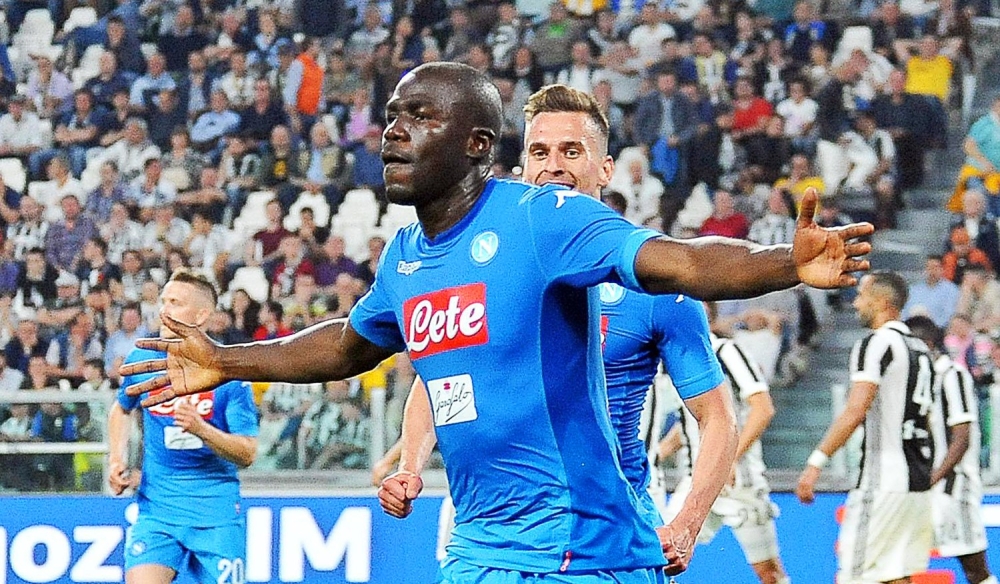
(885, 536)
(958, 525)
(748, 512)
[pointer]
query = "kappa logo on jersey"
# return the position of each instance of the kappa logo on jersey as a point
(445, 320)
(611, 294)
(561, 197)
(605, 325)
(407, 268)
(203, 403)
(484, 247)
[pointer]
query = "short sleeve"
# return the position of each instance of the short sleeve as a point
(685, 345)
(869, 359)
(958, 397)
(241, 413)
(580, 241)
(744, 373)
(374, 316)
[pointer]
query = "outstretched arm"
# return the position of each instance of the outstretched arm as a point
(719, 268)
(326, 351)
(717, 451)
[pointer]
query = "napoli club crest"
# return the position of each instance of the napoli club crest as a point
(484, 247)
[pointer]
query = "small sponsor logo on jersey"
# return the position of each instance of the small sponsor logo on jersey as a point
(445, 320)
(611, 294)
(484, 247)
(453, 399)
(407, 268)
(137, 548)
(604, 331)
(561, 197)
(679, 299)
(203, 403)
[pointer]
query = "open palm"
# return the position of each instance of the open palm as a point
(825, 257)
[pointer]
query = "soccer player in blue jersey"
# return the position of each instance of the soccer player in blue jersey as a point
(566, 143)
(190, 517)
(493, 294)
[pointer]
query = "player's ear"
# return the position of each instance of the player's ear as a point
(481, 143)
(606, 172)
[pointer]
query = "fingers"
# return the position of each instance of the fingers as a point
(155, 344)
(855, 230)
(151, 384)
(182, 329)
(856, 265)
(141, 367)
(392, 498)
(158, 398)
(807, 209)
(857, 249)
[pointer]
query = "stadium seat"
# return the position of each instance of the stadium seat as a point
(89, 67)
(253, 281)
(80, 17)
(317, 202)
(854, 37)
(13, 173)
(252, 217)
(360, 206)
(355, 236)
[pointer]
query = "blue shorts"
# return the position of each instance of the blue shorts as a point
(210, 554)
(456, 571)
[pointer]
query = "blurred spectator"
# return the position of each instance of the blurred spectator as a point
(153, 82)
(928, 72)
(164, 233)
(123, 340)
(265, 246)
(340, 81)
(53, 423)
(181, 40)
(768, 153)
(165, 116)
(109, 80)
(207, 245)
(56, 313)
(48, 89)
(799, 112)
(641, 190)
(980, 225)
(65, 239)
(306, 305)
(17, 427)
(962, 254)
(725, 220)
(579, 74)
(647, 36)
(461, 34)
(212, 125)
(109, 191)
(70, 349)
(800, 177)
(239, 173)
(30, 230)
(25, 345)
(195, 86)
(36, 283)
(751, 113)
(980, 171)
(11, 379)
(20, 131)
(271, 322)
(61, 184)
(303, 88)
(312, 234)
(804, 32)
(281, 161)
(774, 72)
(907, 119)
(120, 232)
(75, 134)
(10, 205)
(95, 269)
(505, 34)
(334, 432)
(124, 45)
(150, 190)
(881, 181)
(361, 44)
(778, 225)
(839, 158)
(980, 298)
(112, 126)
(132, 150)
(333, 262)
(321, 169)
(709, 67)
(367, 268)
(206, 196)
(293, 260)
(134, 276)
(182, 166)
(623, 69)
(358, 116)
(238, 82)
(344, 294)
(368, 162)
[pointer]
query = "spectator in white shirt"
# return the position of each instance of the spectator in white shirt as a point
(799, 112)
(20, 131)
(132, 151)
(61, 183)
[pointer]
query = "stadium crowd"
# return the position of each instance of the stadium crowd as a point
(242, 138)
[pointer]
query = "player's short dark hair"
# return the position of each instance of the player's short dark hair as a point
(196, 279)
(895, 287)
(924, 329)
(561, 98)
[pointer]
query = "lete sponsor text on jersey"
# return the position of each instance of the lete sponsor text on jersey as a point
(203, 403)
(444, 320)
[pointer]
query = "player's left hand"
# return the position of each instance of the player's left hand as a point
(825, 257)
(187, 417)
(678, 547)
(805, 490)
(398, 491)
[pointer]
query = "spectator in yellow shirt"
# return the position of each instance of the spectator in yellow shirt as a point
(928, 72)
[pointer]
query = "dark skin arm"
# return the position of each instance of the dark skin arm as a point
(202, 364)
(957, 447)
(719, 268)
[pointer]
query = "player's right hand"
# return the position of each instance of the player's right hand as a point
(398, 491)
(119, 478)
(192, 364)
(805, 490)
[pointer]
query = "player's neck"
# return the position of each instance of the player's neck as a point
(445, 211)
(882, 318)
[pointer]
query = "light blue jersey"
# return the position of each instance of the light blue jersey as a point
(500, 317)
(639, 331)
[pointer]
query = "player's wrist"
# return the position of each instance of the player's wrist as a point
(818, 459)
